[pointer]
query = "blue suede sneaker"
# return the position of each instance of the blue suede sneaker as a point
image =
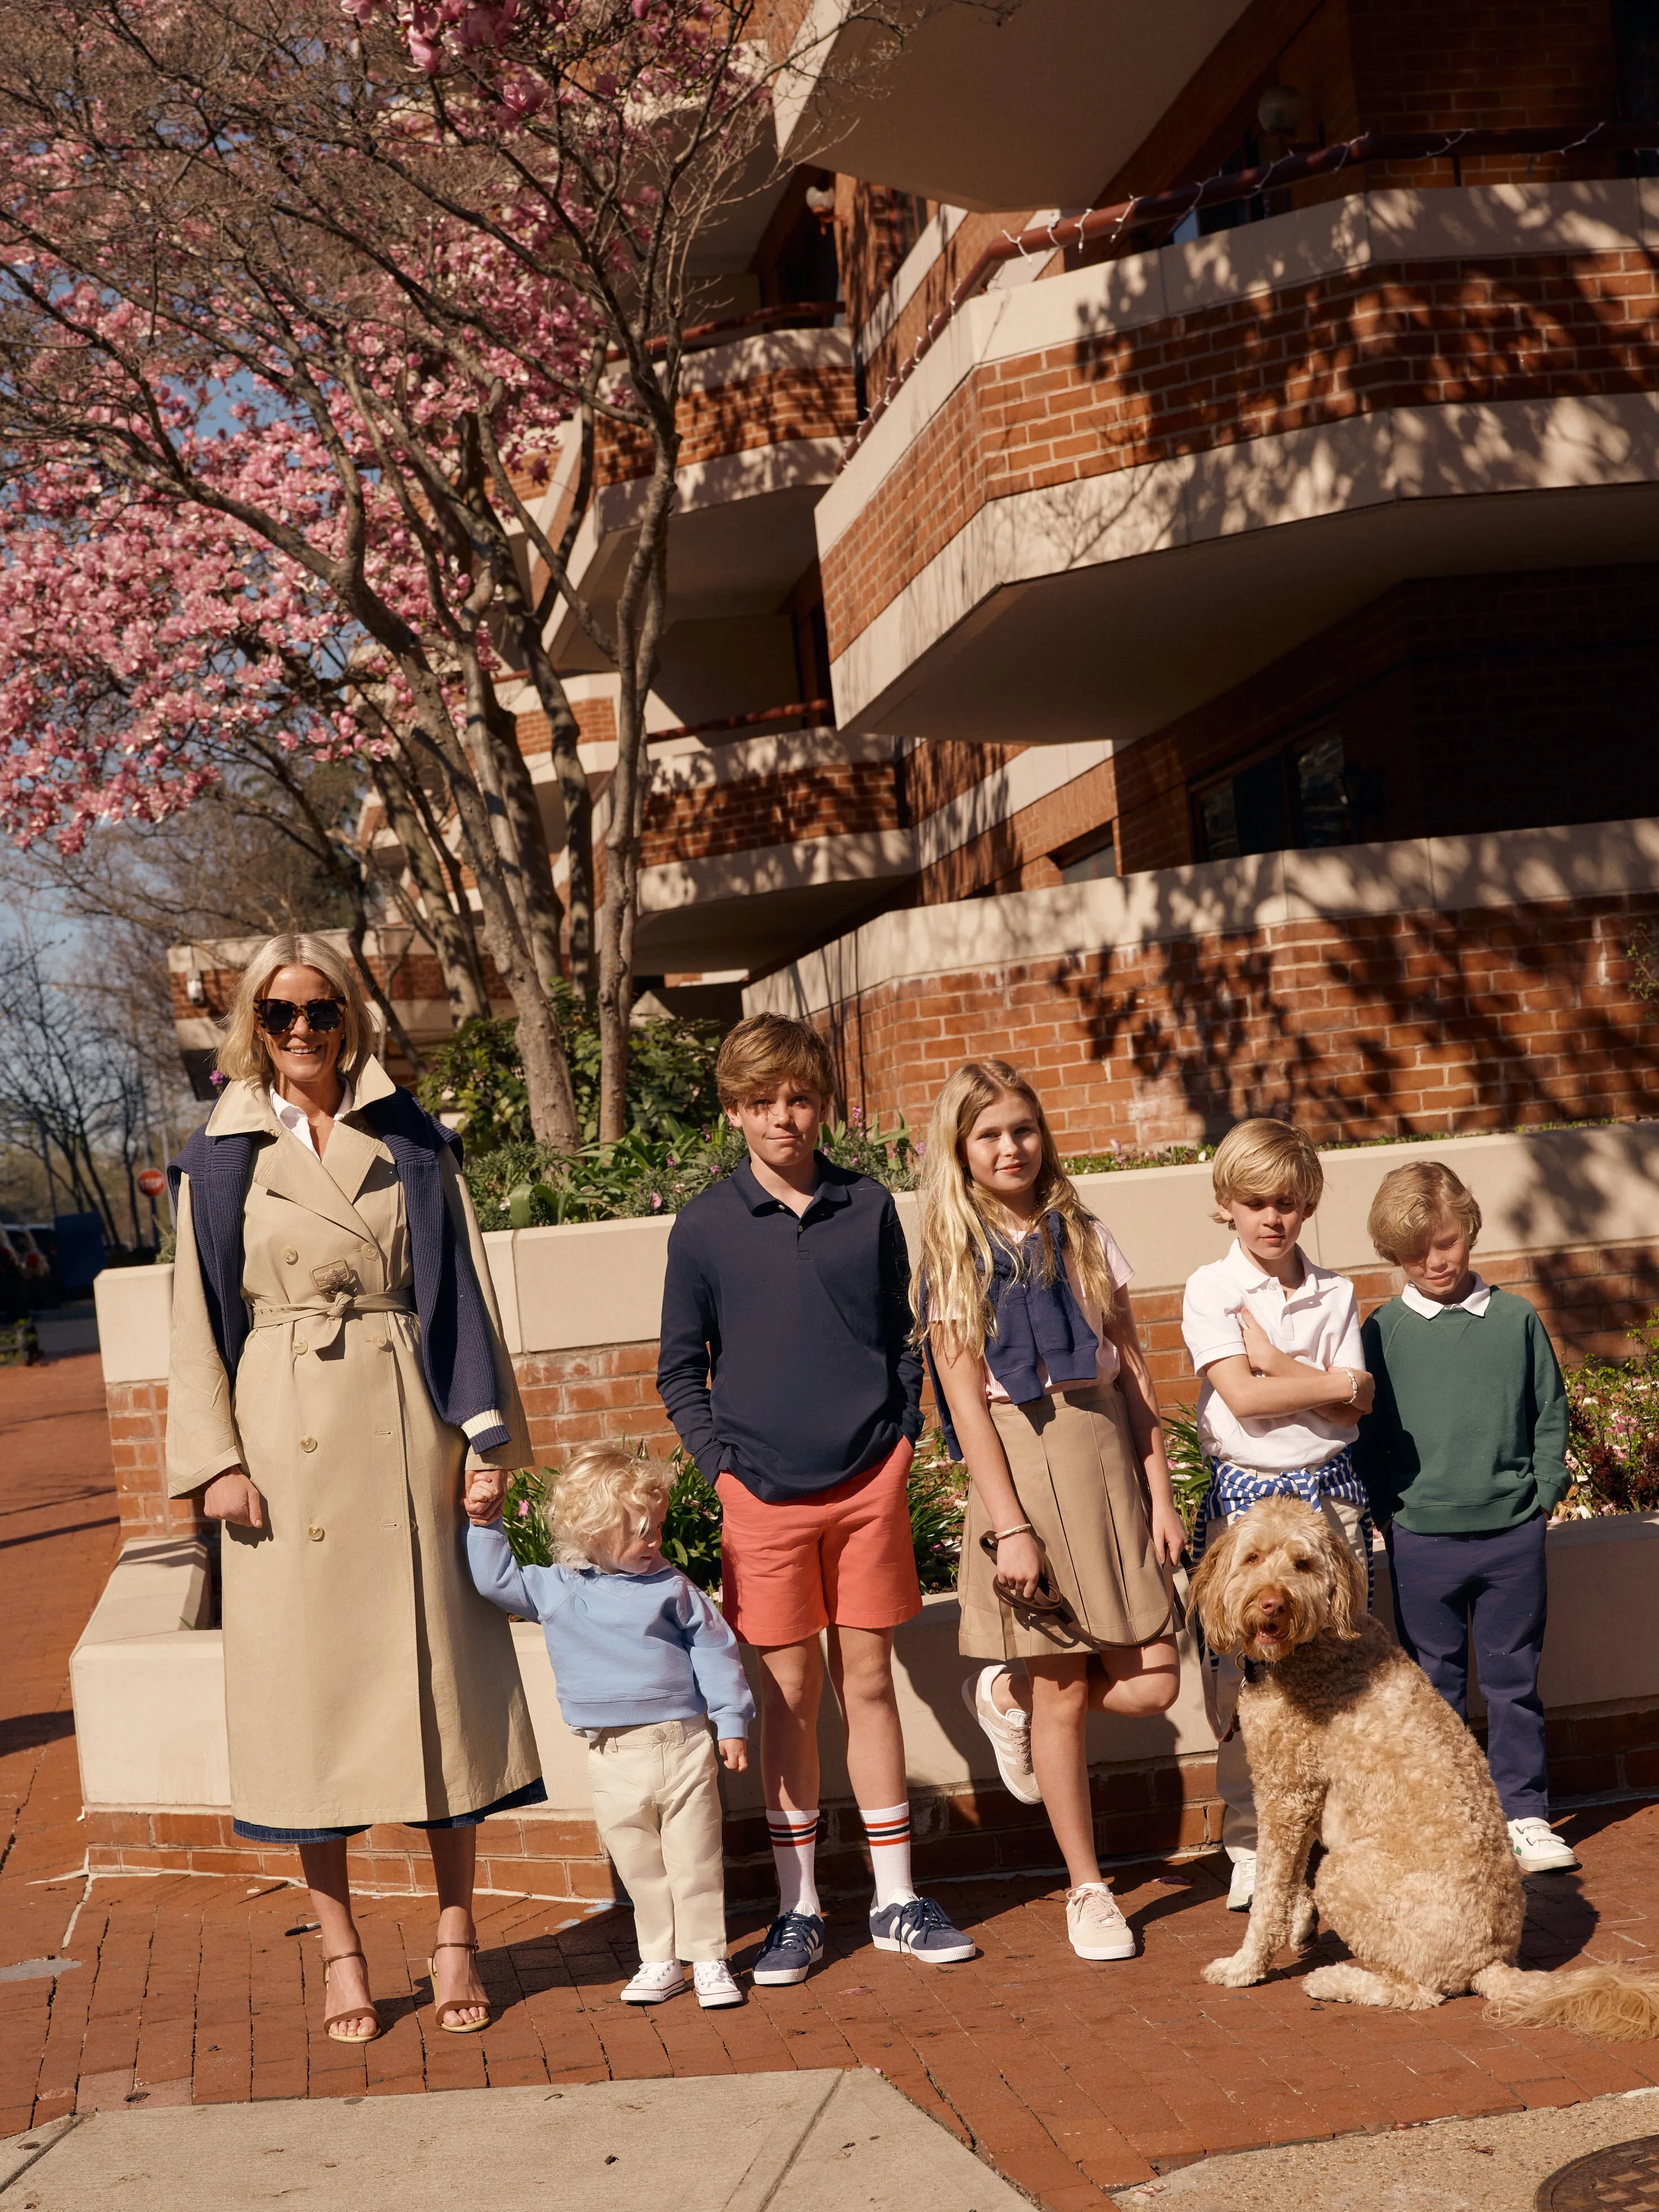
(793, 1946)
(918, 1925)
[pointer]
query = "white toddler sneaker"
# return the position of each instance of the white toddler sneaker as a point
(1095, 1924)
(1241, 1888)
(714, 1984)
(1537, 1848)
(656, 1980)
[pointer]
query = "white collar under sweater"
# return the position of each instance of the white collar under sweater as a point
(1430, 1309)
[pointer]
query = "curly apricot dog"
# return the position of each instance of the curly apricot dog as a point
(1348, 1743)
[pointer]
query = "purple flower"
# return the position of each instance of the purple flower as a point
(215, 1079)
(656, 1201)
(524, 1509)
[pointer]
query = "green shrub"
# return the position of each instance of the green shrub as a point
(1613, 1444)
(1190, 1475)
(476, 1075)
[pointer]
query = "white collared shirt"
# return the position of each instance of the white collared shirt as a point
(1478, 1299)
(293, 1117)
(1317, 1323)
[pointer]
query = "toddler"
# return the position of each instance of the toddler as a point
(643, 1663)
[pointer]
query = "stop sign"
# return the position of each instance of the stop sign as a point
(152, 1181)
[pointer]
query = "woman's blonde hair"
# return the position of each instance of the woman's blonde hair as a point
(1410, 1202)
(961, 1224)
(1264, 1158)
(243, 1056)
(605, 1490)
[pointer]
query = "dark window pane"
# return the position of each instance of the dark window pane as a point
(1321, 798)
(1264, 819)
(1089, 868)
(1636, 42)
(1217, 823)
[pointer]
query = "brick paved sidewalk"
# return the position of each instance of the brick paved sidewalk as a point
(1071, 2079)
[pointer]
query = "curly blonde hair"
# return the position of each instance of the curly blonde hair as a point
(959, 1222)
(605, 1488)
(243, 1054)
(1410, 1204)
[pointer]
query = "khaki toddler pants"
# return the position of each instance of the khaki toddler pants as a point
(657, 1800)
(1221, 1688)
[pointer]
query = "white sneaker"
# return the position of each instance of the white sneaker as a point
(714, 1984)
(1095, 1925)
(1537, 1848)
(1241, 1888)
(657, 1978)
(1010, 1734)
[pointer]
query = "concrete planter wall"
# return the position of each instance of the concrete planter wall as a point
(147, 1680)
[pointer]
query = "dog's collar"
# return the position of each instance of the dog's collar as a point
(1251, 1669)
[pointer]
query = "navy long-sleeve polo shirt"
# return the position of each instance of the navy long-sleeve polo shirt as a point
(786, 1354)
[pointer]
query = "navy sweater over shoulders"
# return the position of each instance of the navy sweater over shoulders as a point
(786, 1354)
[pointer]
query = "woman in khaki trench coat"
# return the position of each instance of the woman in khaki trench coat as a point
(365, 1680)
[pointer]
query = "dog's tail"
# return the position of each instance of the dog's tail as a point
(1616, 2004)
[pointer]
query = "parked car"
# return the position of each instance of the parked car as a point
(36, 1267)
(45, 1234)
(14, 1286)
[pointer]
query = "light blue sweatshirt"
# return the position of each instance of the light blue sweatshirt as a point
(626, 1648)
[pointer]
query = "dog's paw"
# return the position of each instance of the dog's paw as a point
(1236, 1972)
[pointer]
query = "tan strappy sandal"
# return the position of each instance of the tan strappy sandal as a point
(455, 2004)
(331, 2020)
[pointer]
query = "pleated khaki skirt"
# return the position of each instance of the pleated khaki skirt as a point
(1080, 1487)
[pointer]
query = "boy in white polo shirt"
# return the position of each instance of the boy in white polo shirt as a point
(1276, 1341)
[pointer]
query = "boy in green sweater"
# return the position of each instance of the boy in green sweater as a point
(1463, 1455)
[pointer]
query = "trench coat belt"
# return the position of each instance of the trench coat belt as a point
(328, 1313)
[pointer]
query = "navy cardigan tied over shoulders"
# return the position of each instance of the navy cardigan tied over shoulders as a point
(1037, 1325)
(457, 1345)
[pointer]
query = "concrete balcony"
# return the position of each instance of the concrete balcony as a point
(754, 847)
(763, 421)
(1105, 497)
(1032, 109)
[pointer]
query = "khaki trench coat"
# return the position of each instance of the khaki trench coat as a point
(365, 1678)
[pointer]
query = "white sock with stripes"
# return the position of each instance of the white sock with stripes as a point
(794, 1839)
(888, 1830)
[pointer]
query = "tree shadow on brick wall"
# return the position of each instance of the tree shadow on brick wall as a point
(1399, 1025)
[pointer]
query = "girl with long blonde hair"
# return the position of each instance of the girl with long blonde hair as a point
(1072, 1533)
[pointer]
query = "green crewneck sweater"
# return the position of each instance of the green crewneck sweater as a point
(1468, 1432)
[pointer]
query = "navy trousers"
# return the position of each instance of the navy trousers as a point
(1447, 1589)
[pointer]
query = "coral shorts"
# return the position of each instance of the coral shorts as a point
(843, 1556)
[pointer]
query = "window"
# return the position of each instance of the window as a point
(1097, 859)
(1636, 46)
(908, 217)
(1301, 795)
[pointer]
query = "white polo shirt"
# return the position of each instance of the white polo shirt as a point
(1317, 1323)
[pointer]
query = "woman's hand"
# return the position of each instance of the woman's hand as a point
(1019, 1565)
(734, 1751)
(1169, 1531)
(231, 1497)
(484, 1495)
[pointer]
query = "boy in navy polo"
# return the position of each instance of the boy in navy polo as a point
(1464, 1456)
(786, 1367)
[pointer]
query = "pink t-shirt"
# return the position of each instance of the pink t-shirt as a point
(1106, 1360)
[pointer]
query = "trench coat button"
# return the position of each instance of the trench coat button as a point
(289, 1254)
(380, 1343)
(307, 1443)
(298, 1347)
(315, 1534)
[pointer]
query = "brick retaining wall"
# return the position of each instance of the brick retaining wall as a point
(1366, 1026)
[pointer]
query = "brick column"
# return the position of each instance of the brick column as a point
(138, 1428)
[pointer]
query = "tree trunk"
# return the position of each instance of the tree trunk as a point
(456, 956)
(545, 913)
(547, 1072)
(578, 796)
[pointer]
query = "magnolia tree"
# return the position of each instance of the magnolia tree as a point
(296, 309)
